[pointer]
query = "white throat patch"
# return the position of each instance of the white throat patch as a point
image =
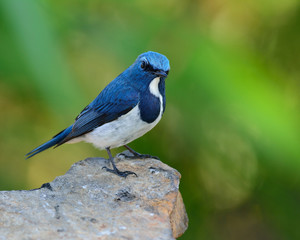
(153, 87)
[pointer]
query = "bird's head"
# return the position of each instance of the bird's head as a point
(150, 65)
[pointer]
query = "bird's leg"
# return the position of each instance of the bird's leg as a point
(138, 155)
(115, 170)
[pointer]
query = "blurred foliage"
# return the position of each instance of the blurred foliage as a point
(231, 125)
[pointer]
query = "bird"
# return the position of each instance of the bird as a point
(127, 108)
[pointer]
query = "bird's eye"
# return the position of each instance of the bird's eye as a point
(143, 65)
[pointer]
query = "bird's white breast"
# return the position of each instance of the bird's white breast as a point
(126, 128)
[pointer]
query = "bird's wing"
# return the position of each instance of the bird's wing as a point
(105, 108)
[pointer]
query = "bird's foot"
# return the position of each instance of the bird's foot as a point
(119, 173)
(137, 155)
(115, 170)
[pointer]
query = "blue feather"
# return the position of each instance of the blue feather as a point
(119, 97)
(55, 140)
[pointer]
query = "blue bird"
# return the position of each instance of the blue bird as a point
(127, 108)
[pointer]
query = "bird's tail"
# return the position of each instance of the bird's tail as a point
(55, 140)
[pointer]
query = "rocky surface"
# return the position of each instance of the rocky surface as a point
(90, 203)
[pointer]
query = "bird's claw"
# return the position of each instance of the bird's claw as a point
(142, 156)
(118, 172)
(138, 156)
(148, 156)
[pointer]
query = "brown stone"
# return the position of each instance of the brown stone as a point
(90, 203)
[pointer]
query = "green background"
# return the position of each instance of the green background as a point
(231, 125)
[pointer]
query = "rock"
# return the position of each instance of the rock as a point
(90, 203)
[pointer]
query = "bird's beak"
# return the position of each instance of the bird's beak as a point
(161, 73)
